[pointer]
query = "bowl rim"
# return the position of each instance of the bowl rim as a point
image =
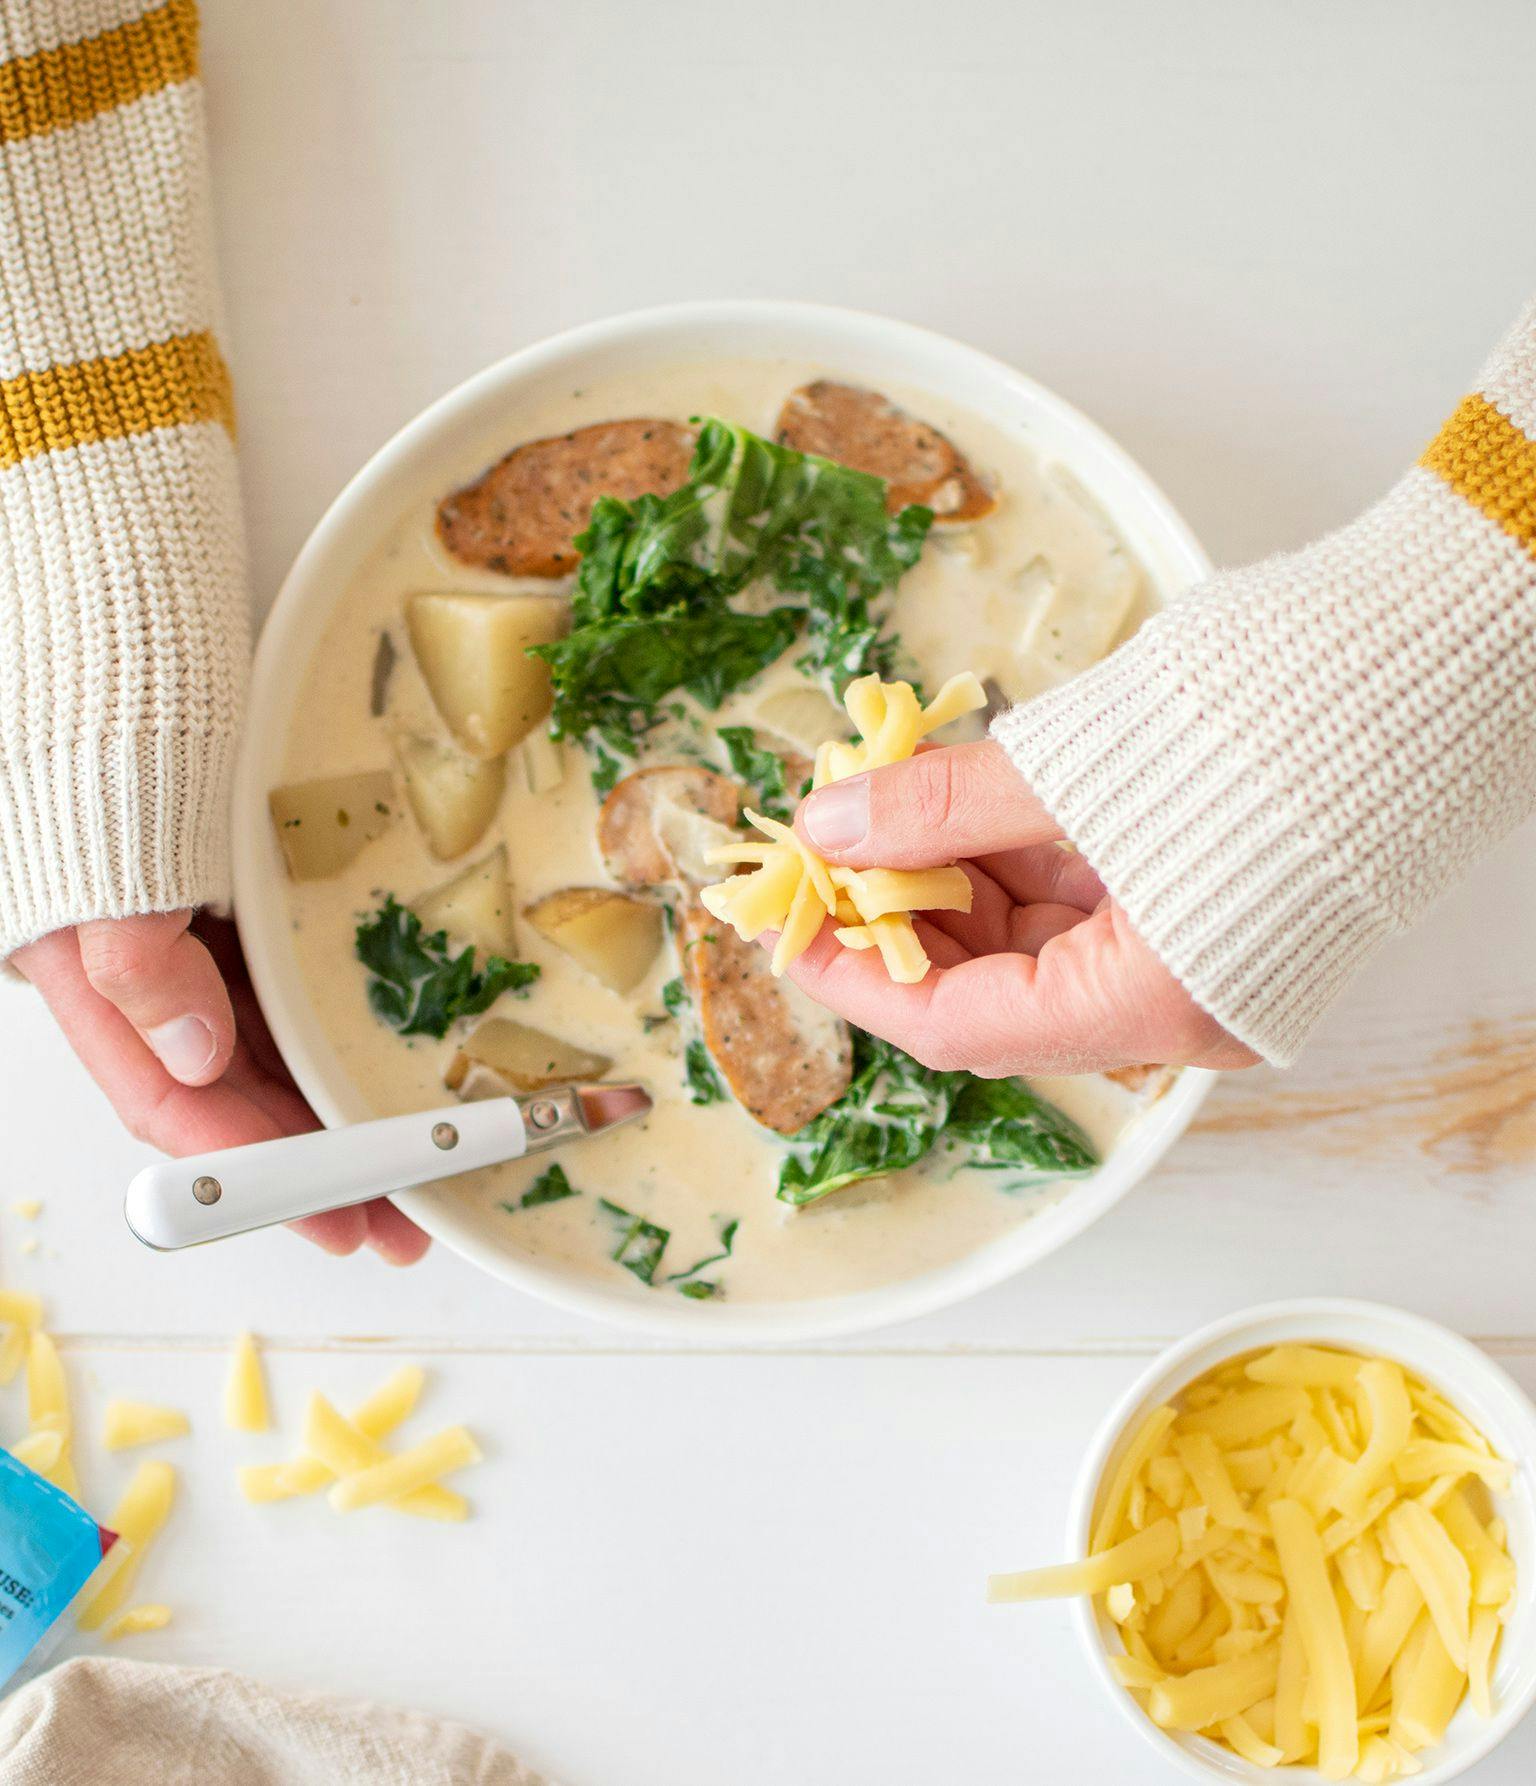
(768, 1322)
(1458, 1361)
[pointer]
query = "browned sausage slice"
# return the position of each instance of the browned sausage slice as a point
(864, 430)
(520, 516)
(656, 824)
(783, 1056)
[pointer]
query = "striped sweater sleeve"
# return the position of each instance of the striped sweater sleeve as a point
(123, 619)
(1289, 764)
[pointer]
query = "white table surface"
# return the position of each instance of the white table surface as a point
(1266, 246)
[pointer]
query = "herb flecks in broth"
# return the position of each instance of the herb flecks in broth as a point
(417, 985)
(653, 606)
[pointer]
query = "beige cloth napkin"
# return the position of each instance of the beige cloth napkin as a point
(104, 1721)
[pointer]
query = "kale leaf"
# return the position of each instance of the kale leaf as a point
(704, 1085)
(417, 985)
(760, 768)
(641, 1243)
(895, 1109)
(888, 1118)
(549, 1187)
(690, 1284)
(652, 609)
(1003, 1123)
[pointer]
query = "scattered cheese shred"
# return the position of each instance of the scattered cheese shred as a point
(137, 1519)
(39, 1451)
(793, 891)
(337, 1447)
(28, 1208)
(21, 1307)
(147, 1617)
(1299, 1561)
(141, 1423)
(245, 1389)
(47, 1392)
(407, 1471)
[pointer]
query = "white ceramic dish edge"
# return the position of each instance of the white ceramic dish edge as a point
(1469, 1378)
(861, 346)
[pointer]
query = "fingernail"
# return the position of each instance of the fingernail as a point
(184, 1046)
(837, 817)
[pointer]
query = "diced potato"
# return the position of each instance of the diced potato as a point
(523, 1057)
(613, 935)
(475, 906)
(454, 797)
(472, 650)
(322, 825)
(803, 717)
(543, 761)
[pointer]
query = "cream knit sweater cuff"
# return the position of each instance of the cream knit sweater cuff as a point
(1291, 761)
(123, 629)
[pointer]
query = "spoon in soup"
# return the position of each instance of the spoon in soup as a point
(180, 1203)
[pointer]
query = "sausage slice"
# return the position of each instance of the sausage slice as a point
(783, 1056)
(868, 432)
(520, 516)
(656, 824)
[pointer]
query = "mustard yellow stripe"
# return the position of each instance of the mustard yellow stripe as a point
(180, 380)
(1484, 457)
(55, 88)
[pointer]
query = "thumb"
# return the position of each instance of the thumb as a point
(165, 983)
(940, 806)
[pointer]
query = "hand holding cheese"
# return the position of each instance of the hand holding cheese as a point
(792, 891)
(1301, 1564)
(1039, 972)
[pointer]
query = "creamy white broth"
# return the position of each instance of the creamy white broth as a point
(976, 592)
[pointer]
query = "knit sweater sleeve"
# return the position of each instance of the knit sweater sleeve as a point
(1287, 765)
(123, 624)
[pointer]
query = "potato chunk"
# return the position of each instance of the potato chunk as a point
(453, 797)
(322, 825)
(472, 650)
(522, 1057)
(613, 935)
(475, 906)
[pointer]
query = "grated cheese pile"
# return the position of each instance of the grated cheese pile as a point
(1301, 1562)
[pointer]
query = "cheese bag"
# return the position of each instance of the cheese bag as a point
(50, 1547)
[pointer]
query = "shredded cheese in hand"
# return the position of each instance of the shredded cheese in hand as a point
(793, 891)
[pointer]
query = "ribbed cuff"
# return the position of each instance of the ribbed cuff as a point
(1204, 844)
(110, 827)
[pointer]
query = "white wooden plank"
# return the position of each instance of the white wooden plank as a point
(681, 1572)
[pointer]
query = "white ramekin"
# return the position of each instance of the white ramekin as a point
(867, 349)
(1465, 1375)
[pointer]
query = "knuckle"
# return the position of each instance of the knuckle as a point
(116, 962)
(937, 794)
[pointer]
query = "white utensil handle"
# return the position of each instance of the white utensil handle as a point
(177, 1203)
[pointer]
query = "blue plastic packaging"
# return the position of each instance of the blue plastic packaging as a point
(49, 1549)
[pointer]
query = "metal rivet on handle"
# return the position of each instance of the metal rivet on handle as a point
(207, 1190)
(444, 1135)
(542, 1115)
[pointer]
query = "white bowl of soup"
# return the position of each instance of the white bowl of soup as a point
(792, 1181)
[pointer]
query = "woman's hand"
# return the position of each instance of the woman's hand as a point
(1043, 975)
(161, 1012)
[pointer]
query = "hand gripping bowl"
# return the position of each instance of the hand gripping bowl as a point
(869, 350)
